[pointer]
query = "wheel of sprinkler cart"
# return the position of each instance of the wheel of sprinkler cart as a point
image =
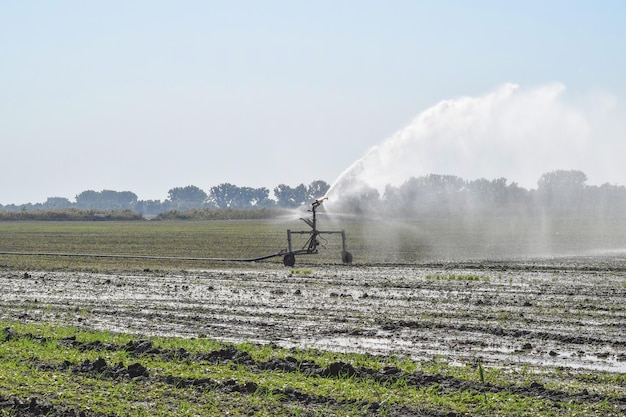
(346, 257)
(289, 259)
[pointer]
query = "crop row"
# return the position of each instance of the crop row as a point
(98, 374)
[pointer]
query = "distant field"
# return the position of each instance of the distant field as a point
(240, 238)
(371, 241)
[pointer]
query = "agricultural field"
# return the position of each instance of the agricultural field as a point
(431, 319)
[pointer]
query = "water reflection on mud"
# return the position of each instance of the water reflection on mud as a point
(559, 313)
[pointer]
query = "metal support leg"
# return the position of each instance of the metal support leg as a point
(289, 241)
(346, 257)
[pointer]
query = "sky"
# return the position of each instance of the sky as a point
(145, 96)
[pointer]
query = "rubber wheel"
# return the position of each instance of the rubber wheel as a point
(289, 259)
(346, 257)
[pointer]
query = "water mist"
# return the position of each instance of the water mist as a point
(511, 134)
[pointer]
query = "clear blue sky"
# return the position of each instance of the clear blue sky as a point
(145, 96)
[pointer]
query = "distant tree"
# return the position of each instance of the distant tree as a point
(364, 200)
(261, 198)
(606, 200)
(287, 196)
(11, 207)
(150, 208)
(106, 200)
(487, 197)
(189, 195)
(518, 199)
(227, 195)
(484, 194)
(55, 203)
(253, 197)
(88, 199)
(117, 200)
(316, 189)
(224, 195)
(562, 181)
(431, 194)
(562, 190)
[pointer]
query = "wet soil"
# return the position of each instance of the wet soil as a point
(142, 348)
(553, 313)
(557, 313)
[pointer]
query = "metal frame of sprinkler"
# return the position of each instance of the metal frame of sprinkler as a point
(310, 247)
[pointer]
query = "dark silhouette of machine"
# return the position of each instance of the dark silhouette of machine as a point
(310, 247)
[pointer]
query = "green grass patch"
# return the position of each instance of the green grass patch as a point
(301, 271)
(457, 277)
(42, 361)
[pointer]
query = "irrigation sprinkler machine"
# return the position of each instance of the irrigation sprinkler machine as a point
(310, 247)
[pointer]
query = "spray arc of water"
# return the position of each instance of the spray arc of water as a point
(509, 133)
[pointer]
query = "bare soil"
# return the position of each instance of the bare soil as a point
(554, 313)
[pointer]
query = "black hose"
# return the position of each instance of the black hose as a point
(171, 258)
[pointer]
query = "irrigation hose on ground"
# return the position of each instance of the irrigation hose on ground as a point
(171, 258)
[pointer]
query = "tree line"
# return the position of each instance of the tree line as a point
(222, 196)
(558, 193)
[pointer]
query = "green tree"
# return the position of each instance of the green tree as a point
(290, 197)
(88, 199)
(106, 200)
(117, 200)
(55, 203)
(227, 195)
(224, 195)
(187, 197)
(253, 197)
(317, 189)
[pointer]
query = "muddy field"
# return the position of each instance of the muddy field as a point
(568, 313)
